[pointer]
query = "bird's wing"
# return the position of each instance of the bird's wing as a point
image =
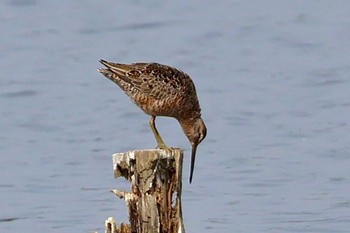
(152, 79)
(161, 81)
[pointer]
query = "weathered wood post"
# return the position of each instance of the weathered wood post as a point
(154, 201)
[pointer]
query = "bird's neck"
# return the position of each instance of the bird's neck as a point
(187, 125)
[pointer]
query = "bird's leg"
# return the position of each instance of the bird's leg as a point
(160, 141)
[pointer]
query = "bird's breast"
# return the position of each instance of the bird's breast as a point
(172, 107)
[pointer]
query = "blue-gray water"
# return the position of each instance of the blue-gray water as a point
(273, 79)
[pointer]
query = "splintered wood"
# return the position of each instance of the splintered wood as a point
(154, 201)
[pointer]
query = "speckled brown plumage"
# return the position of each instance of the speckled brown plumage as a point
(161, 90)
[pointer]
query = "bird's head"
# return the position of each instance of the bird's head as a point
(195, 131)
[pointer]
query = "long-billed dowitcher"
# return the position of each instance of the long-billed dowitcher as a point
(161, 90)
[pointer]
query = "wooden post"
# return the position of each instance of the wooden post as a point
(154, 201)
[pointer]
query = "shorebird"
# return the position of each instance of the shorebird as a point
(161, 90)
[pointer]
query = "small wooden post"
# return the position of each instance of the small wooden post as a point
(154, 201)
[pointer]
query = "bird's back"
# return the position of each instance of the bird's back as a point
(157, 89)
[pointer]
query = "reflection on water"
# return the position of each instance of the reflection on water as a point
(274, 89)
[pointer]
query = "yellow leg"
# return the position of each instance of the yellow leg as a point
(160, 141)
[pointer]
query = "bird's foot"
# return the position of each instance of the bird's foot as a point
(162, 146)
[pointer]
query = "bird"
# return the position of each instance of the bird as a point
(161, 90)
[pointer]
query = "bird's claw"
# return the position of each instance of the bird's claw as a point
(164, 147)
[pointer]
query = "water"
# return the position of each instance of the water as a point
(273, 81)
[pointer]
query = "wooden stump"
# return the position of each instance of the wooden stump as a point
(154, 201)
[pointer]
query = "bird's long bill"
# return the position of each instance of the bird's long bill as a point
(193, 159)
